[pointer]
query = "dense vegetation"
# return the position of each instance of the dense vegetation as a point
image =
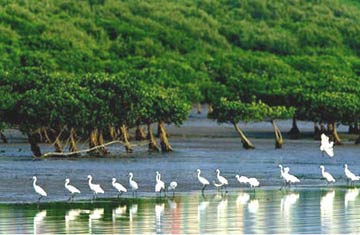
(98, 67)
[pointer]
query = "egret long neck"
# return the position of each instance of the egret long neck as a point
(34, 182)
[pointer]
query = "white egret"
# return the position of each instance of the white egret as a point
(72, 189)
(38, 189)
(329, 178)
(217, 185)
(288, 178)
(119, 187)
(202, 180)
(349, 175)
(221, 179)
(133, 185)
(253, 182)
(160, 185)
(326, 145)
(96, 188)
(172, 187)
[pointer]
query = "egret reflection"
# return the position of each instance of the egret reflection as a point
(287, 202)
(242, 199)
(38, 222)
(253, 206)
(350, 196)
(71, 216)
(326, 208)
(159, 212)
(94, 217)
(118, 212)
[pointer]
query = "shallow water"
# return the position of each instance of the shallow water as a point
(312, 207)
(266, 211)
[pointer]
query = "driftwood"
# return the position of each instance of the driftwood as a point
(80, 151)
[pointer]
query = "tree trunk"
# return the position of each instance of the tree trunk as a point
(3, 138)
(199, 108)
(39, 133)
(278, 137)
(357, 141)
(210, 108)
(46, 135)
(58, 145)
(294, 131)
(337, 140)
(101, 141)
(35, 149)
(73, 147)
(139, 133)
(246, 143)
(164, 142)
(112, 132)
(152, 142)
(317, 133)
(126, 139)
(93, 138)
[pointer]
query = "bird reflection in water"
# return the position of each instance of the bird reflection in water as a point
(71, 216)
(94, 217)
(326, 209)
(118, 212)
(350, 196)
(253, 206)
(287, 202)
(38, 222)
(242, 199)
(159, 212)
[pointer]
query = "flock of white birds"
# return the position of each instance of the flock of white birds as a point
(326, 146)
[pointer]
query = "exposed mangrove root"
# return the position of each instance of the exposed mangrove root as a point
(127, 145)
(333, 129)
(152, 142)
(112, 132)
(278, 137)
(58, 145)
(46, 135)
(164, 142)
(246, 143)
(101, 142)
(35, 149)
(81, 151)
(294, 131)
(139, 133)
(199, 108)
(3, 138)
(73, 146)
(357, 141)
(210, 108)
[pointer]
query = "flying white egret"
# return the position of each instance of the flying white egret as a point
(349, 175)
(172, 187)
(326, 145)
(221, 179)
(202, 180)
(38, 189)
(160, 185)
(72, 189)
(119, 187)
(329, 178)
(96, 188)
(133, 185)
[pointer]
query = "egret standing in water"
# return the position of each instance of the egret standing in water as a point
(38, 189)
(96, 188)
(253, 182)
(326, 145)
(172, 187)
(133, 185)
(288, 178)
(202, 180)
(119, 187)
(221, 179)
(160, 185)
(350, 176)
(329, 178)
(73, 190)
